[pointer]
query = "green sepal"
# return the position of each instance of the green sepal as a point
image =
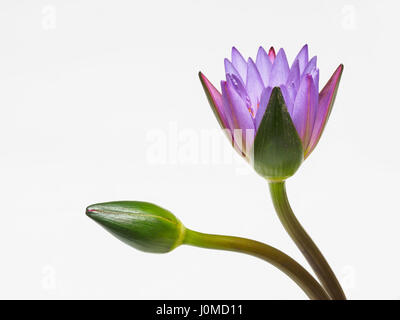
(277, 150)
(142, 225)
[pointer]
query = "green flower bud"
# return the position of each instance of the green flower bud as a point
(142, 225)
(277, 149)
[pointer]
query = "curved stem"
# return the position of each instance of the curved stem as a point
(260, 250)
(304, 242)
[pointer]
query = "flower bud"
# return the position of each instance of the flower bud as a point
(277, 149)
(142, 225)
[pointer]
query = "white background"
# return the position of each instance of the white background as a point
(85, 86)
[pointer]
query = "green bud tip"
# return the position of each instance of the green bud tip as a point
(277, 149)
(142, 225)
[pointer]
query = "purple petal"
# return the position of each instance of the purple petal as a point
(289, 96)
(315, 76)
(292, 85)
(229, 116)
(230, 69)
(239, 87)
(291, 93)
(239, 63)
(280, 70)
(241, 115)
(254, 84)
(264, 65)
(265, 95)
(215, 100)
(304, 109)
(325, 104)
(294, 75)
(302, 58)
(226, 108)
(312, 64)
(241, 118)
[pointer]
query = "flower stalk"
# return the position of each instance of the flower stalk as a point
(150, 228)
(304, 241)
(263, 251)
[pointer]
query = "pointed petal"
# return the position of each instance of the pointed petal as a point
(254, 84)
(230, 130)
(304, 109)
(241, 118)
(294, 75)
(325, 104)
(265, 95)
(312, 64)
(226, 108)
(239, 63)
(264, 65)
(214, 99)
(315, 76)
(302, 58)
(289, 96)
(280, 70)
(291, 93)
(230, 69)
(272, 54)
(239, 87)
(241, 115)
(292, 85)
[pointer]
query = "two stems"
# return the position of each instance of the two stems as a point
(330, 288)
(304, 242)
(263, 251)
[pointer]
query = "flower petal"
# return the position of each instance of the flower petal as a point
(230, 69)
(289, 97)
(265, 95)
(304, 109)
(239, 63)
(280, 70)
(239, 87)
(230, 130)
(272, 54)
(241, 118)
(312, 64)
(302, 58)
(240, 112)
(294, 75)
(315, 76)
(289, 91)
(325, 104)
(226, 108)
(215, 100)
(254, 84)
(264, 65)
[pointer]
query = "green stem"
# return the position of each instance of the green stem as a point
(260, 250)
(304, 242)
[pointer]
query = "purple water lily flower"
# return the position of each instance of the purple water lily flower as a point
(247, 90)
